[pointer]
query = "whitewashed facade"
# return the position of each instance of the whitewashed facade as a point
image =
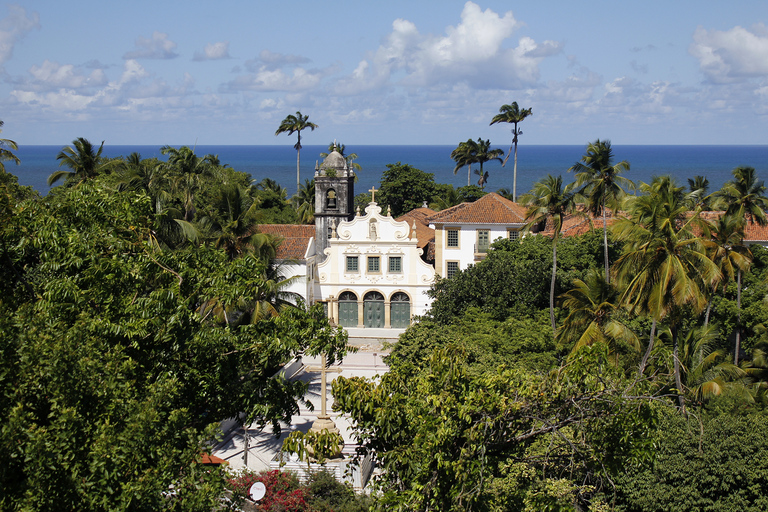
(372, 274)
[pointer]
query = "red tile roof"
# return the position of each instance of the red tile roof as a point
(489, 209)
(294, 239)
(424, 233)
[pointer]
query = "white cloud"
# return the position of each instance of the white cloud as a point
(475, 52)
(52, 75)
(733, 55)
(158, 47)
(267, 80)
(214, 51)
(13, 28)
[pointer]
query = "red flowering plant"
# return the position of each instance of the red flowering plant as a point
(284, 492)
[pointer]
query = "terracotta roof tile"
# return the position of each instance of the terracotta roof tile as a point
(489, 209)
(294, 239)
(424, 234)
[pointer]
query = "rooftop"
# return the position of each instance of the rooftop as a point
(489, 209)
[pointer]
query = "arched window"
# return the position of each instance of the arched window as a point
(400, 310)
(330, 199)
(348, 309)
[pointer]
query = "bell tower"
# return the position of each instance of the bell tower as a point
(334, 198)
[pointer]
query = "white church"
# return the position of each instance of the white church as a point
(373, 271)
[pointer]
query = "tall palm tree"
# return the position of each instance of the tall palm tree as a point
(6, 145)
(665, 265)
(514, 115)
(485, 154)
(744, 199)
(296, 123)
(84, 161)
(548, 199)
(603, 184)
(465, 154)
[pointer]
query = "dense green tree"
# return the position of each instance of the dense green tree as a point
(744, 196)
(446, 438)
(699, 193)
(304, 202)
(295, 124)
(111, 381)
(602, 185)
(404, 188)
(514, 115)
(548, 200)
(187, 172)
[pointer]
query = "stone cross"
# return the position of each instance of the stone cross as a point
(373, 192)
(324, 419)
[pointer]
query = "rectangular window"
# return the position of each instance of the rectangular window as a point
(352, 265)
(373, 264)
(482, 240)
(452, 238)
(513, 234)
(395, 264)
(451, 267)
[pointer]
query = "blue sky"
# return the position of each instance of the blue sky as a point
(395, 72)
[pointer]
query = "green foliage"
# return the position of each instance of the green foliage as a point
(404, 188)
(450, 439)
(111, 382)
(713, 463)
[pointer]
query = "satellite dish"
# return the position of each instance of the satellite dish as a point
(257, 491)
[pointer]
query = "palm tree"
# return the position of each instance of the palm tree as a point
(727, 250)
(296, 123)
(304, 202)
(699, 186)
(664, 266)
(5, 151)
(465, 154)
(84, 162)
(485, 154)
(744, 196)
(514, 115)
(232, 223)
(592, 315)
(744, 199)
(704, 372)
(187, 169)
(549, 200)
(603, 185)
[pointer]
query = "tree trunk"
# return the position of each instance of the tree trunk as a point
(647, 354)
(298, 162)
(552, 285)
(709, 308)
(469, 174)
(678, 377)
(514, 175)
(737, 348)
(605, 245)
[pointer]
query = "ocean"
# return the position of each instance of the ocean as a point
(534, 162)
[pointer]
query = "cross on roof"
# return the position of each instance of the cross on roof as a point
(372, 190)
